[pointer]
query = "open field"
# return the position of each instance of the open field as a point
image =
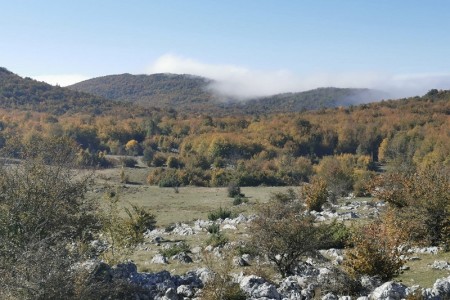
(184, 205)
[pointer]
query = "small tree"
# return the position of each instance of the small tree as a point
(132, 147)
(284, 233)
(233, 190)
(315, 194)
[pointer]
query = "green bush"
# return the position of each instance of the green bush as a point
(217, 239)
(158, 160)
(233, 190)
(129, 162)
(175, 249)
(169, 178)
(337, 235)
(214, 228)
(238, 200)
(221, 213)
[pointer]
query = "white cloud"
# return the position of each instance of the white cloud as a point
(62, 79)
(243, 82)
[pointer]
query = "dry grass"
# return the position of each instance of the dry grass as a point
(420, 271)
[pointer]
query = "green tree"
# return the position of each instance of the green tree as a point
(45, 222)
(285, 234)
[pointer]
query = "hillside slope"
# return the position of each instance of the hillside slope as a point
(28, 94)
(190, 93)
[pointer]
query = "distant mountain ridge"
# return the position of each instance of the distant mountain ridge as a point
(191, 93)
(28, 94)
(183, 93)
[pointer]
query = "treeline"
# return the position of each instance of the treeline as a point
(281, 149)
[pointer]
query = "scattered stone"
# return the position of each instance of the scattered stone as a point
(441, 288)
(347, 216)
(170, 294)
(440, 265)
(426, 250)
(390, 291)
(370, 283)
(182, 257)
(159, 259)
(229, 227)
(330, 296)
(240, 262)
(257, 288)
(204, 274)
(209, 248)
(183, 229)
(290, 288)
(196, 250)
(185, 291)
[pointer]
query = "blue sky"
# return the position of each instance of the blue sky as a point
(249, 47)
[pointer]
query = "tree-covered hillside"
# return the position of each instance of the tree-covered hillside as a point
(181, 92)
(310, 100)
(28, 94)
(193, 94)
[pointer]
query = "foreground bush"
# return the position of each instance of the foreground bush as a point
(375, 252)
(47, 225)
(43, 211)
(424, 196)
(285, 233)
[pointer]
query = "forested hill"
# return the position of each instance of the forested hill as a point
(188, 93)
(28, 94)
(310, 100)
(181, 92)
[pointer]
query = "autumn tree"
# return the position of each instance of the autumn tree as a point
(424, 194)
(315, 194)
(375, 252)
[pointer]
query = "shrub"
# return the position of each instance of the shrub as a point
(170, 227)
(217, 239)
(173, 162)
(284, 233)
(375, 252)
(129, 162)
(339, 282)
(424, 193)
(233, 190)
(148, 155)
(315, 194)
(286, 197)
(158, 160)
(238, 200)
(213, 228)
(338, 235)
(221, 286)
(43, 210)
(169, 178)
(175, 249)
(221, 213)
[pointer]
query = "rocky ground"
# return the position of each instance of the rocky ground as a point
(317, 277)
